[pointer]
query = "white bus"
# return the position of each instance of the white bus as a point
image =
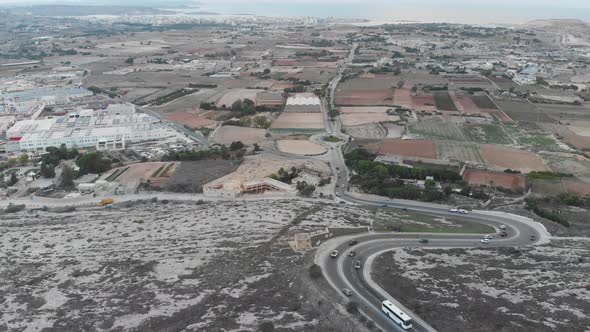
(395, 313)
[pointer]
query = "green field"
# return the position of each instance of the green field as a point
(483, 101)
(462, 151)
(533, 138)
(394, 219)
(486, 133)
(437, 130)
(443, 101)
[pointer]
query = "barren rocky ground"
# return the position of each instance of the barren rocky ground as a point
(495, 289)
(160, 266)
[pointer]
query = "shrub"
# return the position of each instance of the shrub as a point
(352, 307)
(266, 326)
(13, 208)
(315, 271)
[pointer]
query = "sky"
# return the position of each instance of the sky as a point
(460, 11)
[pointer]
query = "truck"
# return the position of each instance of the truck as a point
(106, 201)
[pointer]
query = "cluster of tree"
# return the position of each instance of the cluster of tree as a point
(298, 88)
(566, 87)
(171, 96)
(93, 162)
(59, 51)
(361, 161)
(99, 91)
(305, 189)
(387, 180)
(397, 55)
(313, 54)
(52, 158)
(385, 69)
(322, 43)
(11, 181)
(236, 145)
(285, 176)
(216, 152)
(411, 50)
(551, 213)
(545, 175)
(243, 107)
(207, 106)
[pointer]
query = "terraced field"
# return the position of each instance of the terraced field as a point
(462, 151)
(437, 130)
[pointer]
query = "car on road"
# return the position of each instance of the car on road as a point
(357, 264)
(504, 234)
(352, 253)
(346, 291)
(533, 238)
(423, 240)
(485, 241)
(503, 227)
(463, 211)
(353, 242)
(343, 186)
(487, 237)
(454, 210)
(334, 254)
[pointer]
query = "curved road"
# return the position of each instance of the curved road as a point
(341, 273)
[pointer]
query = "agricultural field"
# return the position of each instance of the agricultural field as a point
(371, 131)
(228, 134)
(298, 122)
(444, 102)
(191, 119)
(502, 157)
(190, 176)
(237, 94)
(423, 102)
(354, 119)
(538, 288)
(523, 111)
(481, 177)
(461, 151)
(409, 148)
(483, 102)
(490, 133)
(533, 138)
(368, 91)
(393, 130)
(300, 147)
(436, 129)
(567, 163)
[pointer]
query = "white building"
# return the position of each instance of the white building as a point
(111, 128)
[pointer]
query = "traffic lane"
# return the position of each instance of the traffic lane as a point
(368, 301)
(367, 295)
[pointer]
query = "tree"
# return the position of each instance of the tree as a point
(266, 71)
(129, 61)
(67, 178)
(315, 271)
(13, 179)
(11, 162)
(24, 158)
(305, 189)
(261, 122)
(237, 106)
(47, 170)
(257, 147)
(236, 145)
(401, 84)
(93, 162)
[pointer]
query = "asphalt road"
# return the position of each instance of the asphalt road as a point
(341, 273)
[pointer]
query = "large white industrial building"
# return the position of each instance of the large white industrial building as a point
(110, 128)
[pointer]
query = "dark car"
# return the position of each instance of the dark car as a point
(423, 240)
(352, 253)
(347, 291)
(357, 264)
(504, 234)
(353, 242)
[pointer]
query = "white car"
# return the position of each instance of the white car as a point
(487, 237)
(463, 211)
(334, 254)
(485, 241)
(503, 227)
(454, 210)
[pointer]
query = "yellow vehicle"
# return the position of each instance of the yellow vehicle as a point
(106, 201)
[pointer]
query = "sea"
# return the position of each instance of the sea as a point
(472, 12)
